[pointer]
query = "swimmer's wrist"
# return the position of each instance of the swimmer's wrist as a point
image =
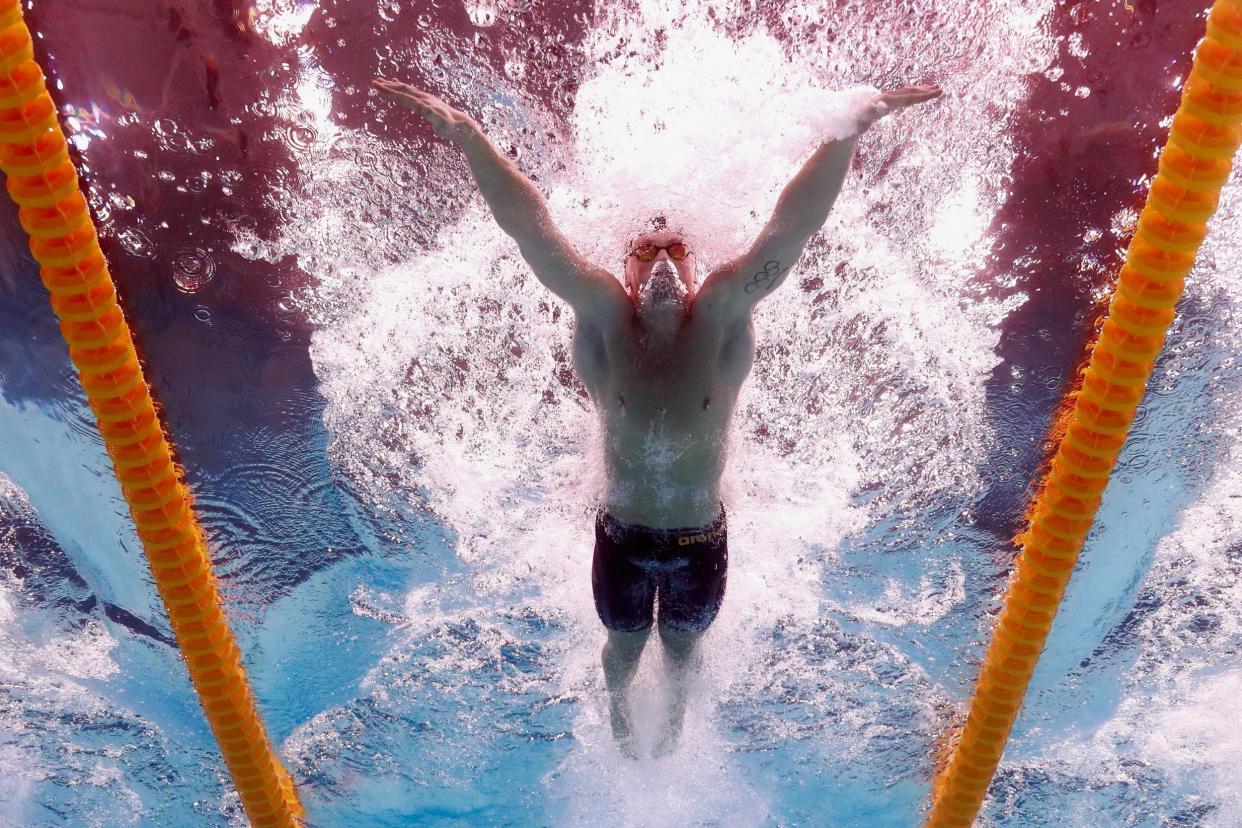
(871, 112)
(468, 132)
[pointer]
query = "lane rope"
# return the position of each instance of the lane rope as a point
(1194, 165)
(42, 180)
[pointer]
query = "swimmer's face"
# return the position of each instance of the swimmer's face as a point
(663, 274)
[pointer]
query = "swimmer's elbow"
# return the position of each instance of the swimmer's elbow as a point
(587, 288)
(736, 287)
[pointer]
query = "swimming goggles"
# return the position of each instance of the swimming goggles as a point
(646, 252)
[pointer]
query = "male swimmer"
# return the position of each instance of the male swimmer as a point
(663, 358)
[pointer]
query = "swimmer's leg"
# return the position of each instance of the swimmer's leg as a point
(625, 600)
(621, 653)
(690, 597)
(681, 663)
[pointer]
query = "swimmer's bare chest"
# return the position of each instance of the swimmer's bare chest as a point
(666, 413)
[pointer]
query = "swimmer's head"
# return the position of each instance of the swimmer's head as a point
(668, 269)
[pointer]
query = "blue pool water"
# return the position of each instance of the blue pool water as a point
(395, 465)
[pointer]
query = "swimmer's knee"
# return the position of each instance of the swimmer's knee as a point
(680, 639)
(628, 639)
(680, 623)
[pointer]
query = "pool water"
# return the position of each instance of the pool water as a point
(395, 464)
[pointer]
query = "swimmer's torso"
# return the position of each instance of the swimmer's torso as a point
(666, 414)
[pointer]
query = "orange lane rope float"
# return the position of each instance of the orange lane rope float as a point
(44, 183)
(1194, 165)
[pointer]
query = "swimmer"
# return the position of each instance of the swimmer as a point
(663, 357)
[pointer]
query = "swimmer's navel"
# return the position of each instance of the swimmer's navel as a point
(706, 400)
(621, 400)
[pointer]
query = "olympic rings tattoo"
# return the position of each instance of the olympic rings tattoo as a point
(766, 277)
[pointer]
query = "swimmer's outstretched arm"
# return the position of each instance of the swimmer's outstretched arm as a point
(803, 207)
(516, 203)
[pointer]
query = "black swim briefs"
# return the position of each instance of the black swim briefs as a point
(635, 565)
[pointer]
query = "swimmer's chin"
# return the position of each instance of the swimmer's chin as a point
(663, 294)
(661, 307)
(658, 298)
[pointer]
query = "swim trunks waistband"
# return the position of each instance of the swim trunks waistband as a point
(681, 536)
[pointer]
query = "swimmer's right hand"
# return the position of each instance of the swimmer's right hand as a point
(447, 122)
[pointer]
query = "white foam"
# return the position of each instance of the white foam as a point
(447, 372)
(49, 676)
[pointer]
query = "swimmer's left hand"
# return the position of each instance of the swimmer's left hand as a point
(894, 99)
(447, 121)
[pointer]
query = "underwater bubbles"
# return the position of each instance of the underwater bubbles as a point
(199, 182)
(300, 137)
(389, 10)
(236, 213)
(192, 269)
(482, 12)
(136, 242)
(264, 107)
(170, 136)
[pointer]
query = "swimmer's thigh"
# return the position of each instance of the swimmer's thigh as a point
(690, 596)
(624, 593)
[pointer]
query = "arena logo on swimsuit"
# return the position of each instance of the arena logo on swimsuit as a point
(686, 540)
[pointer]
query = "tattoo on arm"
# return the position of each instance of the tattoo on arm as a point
(766, 278)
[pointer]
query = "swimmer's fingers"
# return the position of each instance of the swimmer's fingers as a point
(401, 92)
(910, 96)
(423, 104)
(404, 93)
(393, 83)
(893, 100)
(447, 121)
